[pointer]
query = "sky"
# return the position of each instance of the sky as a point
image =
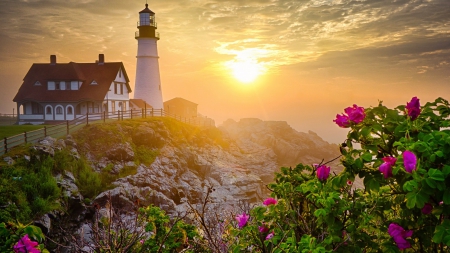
(311, 58)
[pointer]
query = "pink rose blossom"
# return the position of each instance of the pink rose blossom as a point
(242, 219)
(269, 236)
(25, 245)
(355, 114)
(263, 229)
(413, 108)
(323, 172)
(270, 201)
(410, 161)
(399, 235)
(427, 208)
(342, 121)
(386, 167)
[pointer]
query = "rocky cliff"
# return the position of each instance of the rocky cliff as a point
(237, 160)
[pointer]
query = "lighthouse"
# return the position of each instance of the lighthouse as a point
(148, 81)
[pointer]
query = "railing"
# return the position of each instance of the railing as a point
(136, 35)
(8, 119)
(67, 127)
(147, 23)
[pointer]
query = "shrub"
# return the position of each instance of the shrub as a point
(403, 157)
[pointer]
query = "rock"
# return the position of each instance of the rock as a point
(44, 223)
(120, 152)
(8, 160)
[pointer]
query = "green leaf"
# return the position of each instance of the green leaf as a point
(446, 197)
(415, 199)
(431, 183)
(446, 170)
(320, 212)
(436, 175)
(439, 153)
(410, 185)
(397, 143)
(365, 131)
(367, 157)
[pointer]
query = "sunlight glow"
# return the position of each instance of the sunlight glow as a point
(246, 71)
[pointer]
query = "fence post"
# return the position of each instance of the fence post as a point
(67, 126)
(131, 111)
(152, 111)
(25, 135)
(87, 118)
(5, 141)
(45, 131)
(104, 116)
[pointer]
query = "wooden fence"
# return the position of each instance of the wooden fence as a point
(67, 127)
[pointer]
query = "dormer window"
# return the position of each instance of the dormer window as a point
(94, 83)
(37, 83)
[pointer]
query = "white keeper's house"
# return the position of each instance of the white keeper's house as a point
(53, 92)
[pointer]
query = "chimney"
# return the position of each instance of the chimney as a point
(52, 59)
(101, 59)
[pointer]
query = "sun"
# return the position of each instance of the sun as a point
(246, 71)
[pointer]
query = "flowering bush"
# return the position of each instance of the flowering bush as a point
(18, 238)
(403, 160)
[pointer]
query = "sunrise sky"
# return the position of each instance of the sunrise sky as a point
(310, 58)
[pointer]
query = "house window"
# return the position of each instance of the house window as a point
(121, 88)
(69, 110)
(37, 83)
(59, 110)
(94, 83)
(113, 106)
(120, 73)
(48, 110)
(57, 86)
(115, 88)
(36, 108)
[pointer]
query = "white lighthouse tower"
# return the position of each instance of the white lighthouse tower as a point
(148, 82)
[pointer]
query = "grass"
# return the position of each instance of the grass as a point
(8, 131)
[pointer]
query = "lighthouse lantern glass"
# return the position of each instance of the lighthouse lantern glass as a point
(144, 18)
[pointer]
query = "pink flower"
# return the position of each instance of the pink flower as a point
(242, 219)
(427, 208)
(263, 229)
(386, 167)
(323, 172)
(270, 201)
(269, 236)
(413, 108)
(141, 241)
(26, 245)
(342, 121)
(410, 161)
(355, 114)
(399, 235)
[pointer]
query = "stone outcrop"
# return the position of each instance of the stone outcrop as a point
(237, 161)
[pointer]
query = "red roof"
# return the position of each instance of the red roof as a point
(140, 103)
(104, 74)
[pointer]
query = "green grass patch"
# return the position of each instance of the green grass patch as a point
(8, 131)
(145, 155)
